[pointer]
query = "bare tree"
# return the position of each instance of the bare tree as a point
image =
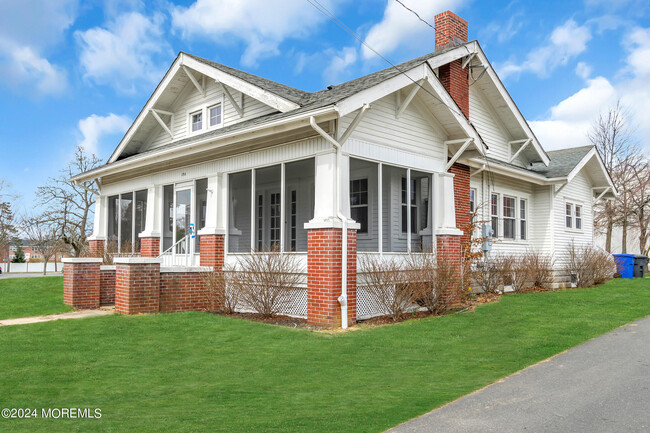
(640, 197)
(42, 233)
(614, 140)
(69, 206)
(7, 221)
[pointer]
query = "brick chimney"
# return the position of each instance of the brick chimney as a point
(451, 30)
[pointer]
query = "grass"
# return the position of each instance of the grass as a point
(24, 297)
(196, 371)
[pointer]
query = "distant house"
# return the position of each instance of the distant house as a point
(221, 162)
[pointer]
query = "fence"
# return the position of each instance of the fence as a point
(30, 267)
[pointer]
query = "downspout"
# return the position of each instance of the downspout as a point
(343, 299)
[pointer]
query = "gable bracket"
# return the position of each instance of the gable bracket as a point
(605, 191)
(402, 107)
(523, 146)
(468, 59)
(557, 191)
(467, 142)
(194, 81)
(155, 114)
(238, 107)
(353, 125)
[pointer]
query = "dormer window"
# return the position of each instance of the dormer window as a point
(215, 115)
(197, 121)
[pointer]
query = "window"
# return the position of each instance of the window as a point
(126, 220)
(260, 222)
(197, 121)
(275, 220)
(578, 216)
(522, 220)
(569, 215)
(472, 200)
(359, 203)
(215, 115)
(293, 209)
(509, 217)
(494, 213)
(413, 204)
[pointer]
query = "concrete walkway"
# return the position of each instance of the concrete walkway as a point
(602, 385)
(79, 314)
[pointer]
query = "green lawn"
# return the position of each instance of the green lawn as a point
(23, 297)
(202, 372)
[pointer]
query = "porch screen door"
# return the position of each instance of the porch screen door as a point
(182, 219)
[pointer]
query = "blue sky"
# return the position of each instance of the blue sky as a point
(74, 72)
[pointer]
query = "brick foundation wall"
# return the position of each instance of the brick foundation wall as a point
(137, 288)
(182, 291)
(96, 248)
(81, 283)
(150, 247)
(107, 286)
(212, 250)
(324, 265)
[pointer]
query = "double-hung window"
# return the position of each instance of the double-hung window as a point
(523, 220)
(359, 203)
(414, 206)
(196, 120)
(214, 114)
(494, 214)
(509, 216)
(569, 215)
(578, 217)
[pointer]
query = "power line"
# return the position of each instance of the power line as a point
(424, 21)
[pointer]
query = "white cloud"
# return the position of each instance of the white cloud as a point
(261, 24)
(27, 29)
(93, 128)
(503, 32)
(583, 70)
(125, 54)
(566, 41)
(399, 27)
(338, 69)
(572, 118)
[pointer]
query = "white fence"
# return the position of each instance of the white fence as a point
(30, 267)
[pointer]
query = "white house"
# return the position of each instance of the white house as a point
(221, 162)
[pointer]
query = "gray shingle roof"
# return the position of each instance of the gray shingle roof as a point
(562, 161)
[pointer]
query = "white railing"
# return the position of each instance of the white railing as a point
(178, 254)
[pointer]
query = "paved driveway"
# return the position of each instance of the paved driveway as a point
(602, 385)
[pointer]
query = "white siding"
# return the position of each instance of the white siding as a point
(189, 100)
(541, 225)
(491, 129)
(578, 191)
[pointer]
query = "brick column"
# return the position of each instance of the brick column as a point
(213, 250)
(81, 280)
(137, 285)
(461, 200)
(149, 247)
(324, 266)
(96, 247)
(449, 247)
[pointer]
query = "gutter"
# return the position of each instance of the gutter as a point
(148, 158)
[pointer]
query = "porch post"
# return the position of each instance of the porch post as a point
(212, 237)
(97, 241)
(81, 282)
(325, 247)
(150, 237)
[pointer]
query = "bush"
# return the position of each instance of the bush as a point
(221, 295)
(589, 265)
(265, 281)
(387, 283)
(430, 278)
(540, 270)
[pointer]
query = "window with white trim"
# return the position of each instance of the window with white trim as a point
(413, 204)
(196, 121)
(523, 220)
(509, 217)
(494, 214)
(569, 215)
(472, 203)
(215, 116)
(359, 203)
(578, 217)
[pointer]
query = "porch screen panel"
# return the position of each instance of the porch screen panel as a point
(201, 201)
(140, 217)
(126, 223)
(394, 240)
(364, 203)
(420, 211)
(299, 203)
(239, 214)
(168, 217)
(113, 222)
(268, 207)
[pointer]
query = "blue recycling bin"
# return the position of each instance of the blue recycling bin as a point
(625, 264)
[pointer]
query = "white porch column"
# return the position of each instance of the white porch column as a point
(154, 209)
(216, 207)
(99, 224)
(446, 208)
